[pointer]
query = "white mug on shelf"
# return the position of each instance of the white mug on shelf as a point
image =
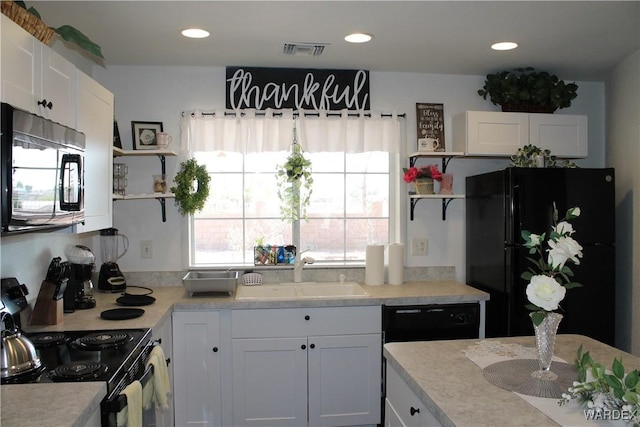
(163, 139)
(428, 144)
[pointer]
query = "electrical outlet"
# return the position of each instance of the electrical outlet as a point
(419, 247)
(146, 249)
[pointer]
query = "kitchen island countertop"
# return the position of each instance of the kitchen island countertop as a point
(17, 399)
(455, 391)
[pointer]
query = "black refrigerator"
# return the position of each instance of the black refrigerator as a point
(502, 203)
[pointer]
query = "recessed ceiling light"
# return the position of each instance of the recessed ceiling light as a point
(195, 33)
(504, 46)
(358, 38)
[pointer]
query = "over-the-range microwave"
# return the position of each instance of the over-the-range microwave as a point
(41, 173)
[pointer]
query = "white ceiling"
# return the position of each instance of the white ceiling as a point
(575, 40)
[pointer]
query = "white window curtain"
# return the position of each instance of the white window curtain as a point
(249, 131)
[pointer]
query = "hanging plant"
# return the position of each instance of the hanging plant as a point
(192, 189)
(294, 184)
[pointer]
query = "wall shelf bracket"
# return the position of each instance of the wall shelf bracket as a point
(163, 204)
(163, 165)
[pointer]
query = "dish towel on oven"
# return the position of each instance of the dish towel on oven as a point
(161, 383)
(131, 415)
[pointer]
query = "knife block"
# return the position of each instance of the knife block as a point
(48, 310)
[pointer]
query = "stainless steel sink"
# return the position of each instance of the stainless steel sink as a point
(301, 290)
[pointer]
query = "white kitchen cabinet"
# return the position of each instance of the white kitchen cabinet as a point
(197, 368)
(270, 381)
(163, 335)
(565, 135)
(35, 78)
(490, 133)
(306, 366)
(95, 119)
(403, 408)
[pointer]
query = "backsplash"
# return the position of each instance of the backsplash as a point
(275, 275)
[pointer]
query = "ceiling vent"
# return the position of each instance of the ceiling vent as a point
(303, 49)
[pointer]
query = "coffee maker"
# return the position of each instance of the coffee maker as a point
(79, 292)
(111, 278)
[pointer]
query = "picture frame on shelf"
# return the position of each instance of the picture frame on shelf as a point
(117, 142)
(430, 127)
(145, 135)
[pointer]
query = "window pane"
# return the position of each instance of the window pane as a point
(367, 195)
(324, 238)
(217, 241)
(270, 231)
(327, 199)
(348, 209)
(225, 197)
(260, 194)
(363, 232)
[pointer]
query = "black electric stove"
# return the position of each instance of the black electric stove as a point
(80, 356)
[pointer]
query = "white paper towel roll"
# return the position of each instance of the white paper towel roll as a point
(374, 265)
(395, 252)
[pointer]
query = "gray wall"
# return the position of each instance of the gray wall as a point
(623, 153)
(162, 93)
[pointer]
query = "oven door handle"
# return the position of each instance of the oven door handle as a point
(118, 402)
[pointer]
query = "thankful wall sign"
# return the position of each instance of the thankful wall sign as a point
(297, 88)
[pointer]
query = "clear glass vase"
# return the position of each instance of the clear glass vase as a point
(545, 343)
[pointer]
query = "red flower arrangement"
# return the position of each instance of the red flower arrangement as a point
(430, 171)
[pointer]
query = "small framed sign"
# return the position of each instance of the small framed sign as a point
(145, 135)
(430, 127)
(116, 135)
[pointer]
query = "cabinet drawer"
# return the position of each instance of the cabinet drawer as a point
(302, 322)
(406, 404)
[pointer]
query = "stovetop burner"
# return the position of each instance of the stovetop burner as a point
(50, 339)
(101, 340)
(73, 356)
(78, 371)
(31, 376)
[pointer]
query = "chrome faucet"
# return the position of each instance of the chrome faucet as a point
(299, 265)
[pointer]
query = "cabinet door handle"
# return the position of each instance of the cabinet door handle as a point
(312, 346)
(414, 411)
(307, 317)
(215, 349)
(46, 104)
(304, 347)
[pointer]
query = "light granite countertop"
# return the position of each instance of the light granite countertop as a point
(455, 391)
(25, 402)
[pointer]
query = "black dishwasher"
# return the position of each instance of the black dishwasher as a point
(427, 323)
(430, 322)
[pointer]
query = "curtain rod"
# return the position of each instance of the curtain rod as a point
(296, 114)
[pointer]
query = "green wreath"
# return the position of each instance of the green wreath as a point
(187, 200)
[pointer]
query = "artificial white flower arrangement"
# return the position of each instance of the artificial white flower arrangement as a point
(607, 394)
(550, 276)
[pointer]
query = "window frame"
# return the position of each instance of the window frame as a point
(396, 211)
